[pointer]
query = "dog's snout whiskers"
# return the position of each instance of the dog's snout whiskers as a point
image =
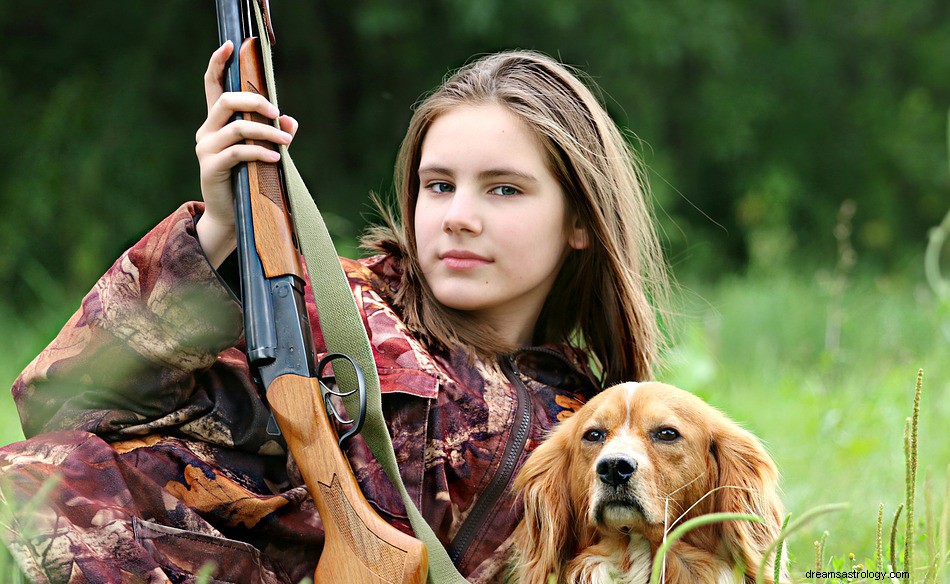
(617, 470)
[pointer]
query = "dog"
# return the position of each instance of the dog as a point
(612, 481)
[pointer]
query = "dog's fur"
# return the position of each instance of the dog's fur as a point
(665, 456)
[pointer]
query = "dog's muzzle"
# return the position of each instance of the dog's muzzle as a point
(616, 503)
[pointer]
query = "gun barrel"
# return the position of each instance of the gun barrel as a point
(259, 332)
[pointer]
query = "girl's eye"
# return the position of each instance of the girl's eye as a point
(505, 191)
(441, 187)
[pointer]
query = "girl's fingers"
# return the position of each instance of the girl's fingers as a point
(237, 132)
(231, 103)
(221, 141)
(289, 125)
(248, 153)
(214, 76)
(220, 164)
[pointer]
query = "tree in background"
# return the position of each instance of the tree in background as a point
(756, 120)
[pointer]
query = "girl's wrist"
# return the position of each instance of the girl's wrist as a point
(218, 240)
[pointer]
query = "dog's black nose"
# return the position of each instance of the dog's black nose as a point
(617, 470)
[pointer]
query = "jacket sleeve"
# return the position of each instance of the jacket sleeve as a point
(151, 349)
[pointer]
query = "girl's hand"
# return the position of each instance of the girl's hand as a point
(220, 147)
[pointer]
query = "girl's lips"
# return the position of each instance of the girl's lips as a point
(463, 260)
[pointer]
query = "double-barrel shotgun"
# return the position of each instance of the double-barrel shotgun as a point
(360, 546)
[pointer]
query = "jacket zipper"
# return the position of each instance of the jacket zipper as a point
(478, 517)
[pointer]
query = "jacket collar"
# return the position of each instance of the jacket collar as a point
(558, 366)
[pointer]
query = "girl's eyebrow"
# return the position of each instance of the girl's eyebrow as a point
(500, 172)
(485, 174)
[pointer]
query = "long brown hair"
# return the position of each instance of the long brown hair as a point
(605, 296)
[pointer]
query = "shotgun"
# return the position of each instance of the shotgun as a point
(360, 547)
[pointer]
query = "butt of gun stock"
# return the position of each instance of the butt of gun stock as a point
(360, 547)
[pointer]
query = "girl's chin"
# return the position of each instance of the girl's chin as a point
(463, 303)
(464, 296)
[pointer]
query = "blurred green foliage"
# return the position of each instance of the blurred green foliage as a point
(756, 119)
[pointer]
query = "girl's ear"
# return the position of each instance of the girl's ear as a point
(545, 537)
(578, 237)
(749, 484)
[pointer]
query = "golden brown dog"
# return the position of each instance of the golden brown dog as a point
(636, 461)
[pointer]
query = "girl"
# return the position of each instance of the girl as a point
(518, 282)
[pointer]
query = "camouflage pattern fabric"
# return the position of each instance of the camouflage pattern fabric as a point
(147, 438)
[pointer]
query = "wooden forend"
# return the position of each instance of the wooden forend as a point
(273, 230)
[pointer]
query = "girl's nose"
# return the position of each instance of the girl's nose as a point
(462, 214)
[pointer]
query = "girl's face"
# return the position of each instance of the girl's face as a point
(491, 221)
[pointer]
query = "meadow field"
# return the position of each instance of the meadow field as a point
(822, 368)
(826, 376)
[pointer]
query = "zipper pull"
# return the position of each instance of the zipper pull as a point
(511, 364)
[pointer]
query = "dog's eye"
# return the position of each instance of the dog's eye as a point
(666, 434)
(595, 436)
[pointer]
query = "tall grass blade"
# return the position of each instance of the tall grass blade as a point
(893, 557)
(791, 528)
(909, 528)
(777, 562)
(931, 576)
(680, 531)
(942, 543)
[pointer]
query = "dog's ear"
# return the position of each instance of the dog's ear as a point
(545, 539)
(747, 482)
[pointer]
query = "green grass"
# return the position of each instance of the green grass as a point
(832, 412)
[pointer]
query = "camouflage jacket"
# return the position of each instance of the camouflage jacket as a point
(144, 409)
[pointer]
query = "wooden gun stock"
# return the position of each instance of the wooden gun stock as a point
(360, 547)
